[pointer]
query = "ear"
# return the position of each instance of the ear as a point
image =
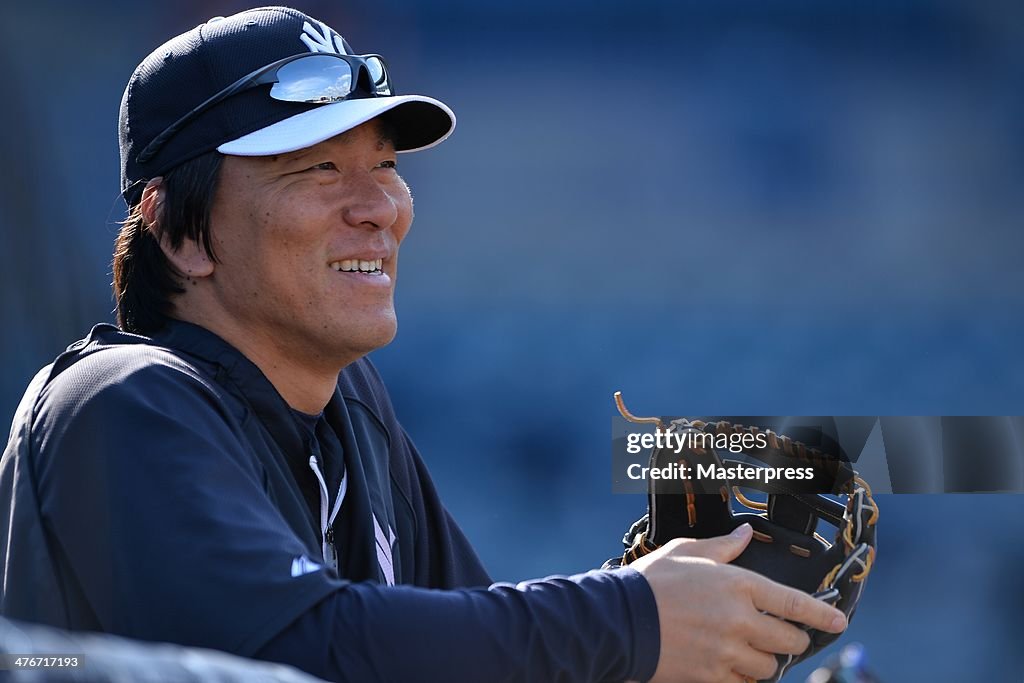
(189, 258)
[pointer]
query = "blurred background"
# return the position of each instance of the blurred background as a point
(729, 208)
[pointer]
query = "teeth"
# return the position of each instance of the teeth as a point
(356, 265)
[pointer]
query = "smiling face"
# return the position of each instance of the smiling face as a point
(307, 247)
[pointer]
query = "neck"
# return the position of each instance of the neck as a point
(305, 381)
(303, 386)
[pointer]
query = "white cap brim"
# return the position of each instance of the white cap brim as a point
(421, 122)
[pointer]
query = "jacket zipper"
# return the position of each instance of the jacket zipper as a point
(328, 548)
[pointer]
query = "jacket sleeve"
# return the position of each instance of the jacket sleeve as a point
(598, 626)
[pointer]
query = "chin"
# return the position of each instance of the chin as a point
(385, 338)
(365, 337)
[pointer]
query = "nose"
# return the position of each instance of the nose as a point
(370, 205)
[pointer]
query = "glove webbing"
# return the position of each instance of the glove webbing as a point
(852, 533)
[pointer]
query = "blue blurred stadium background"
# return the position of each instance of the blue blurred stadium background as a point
(731, 207)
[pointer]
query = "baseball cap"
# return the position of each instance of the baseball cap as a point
(178, 79)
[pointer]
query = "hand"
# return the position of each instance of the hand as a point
(712, 614)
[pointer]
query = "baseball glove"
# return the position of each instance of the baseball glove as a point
(785, 546)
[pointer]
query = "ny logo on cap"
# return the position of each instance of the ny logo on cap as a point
(328, 41)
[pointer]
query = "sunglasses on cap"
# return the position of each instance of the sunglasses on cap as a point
(312, 78)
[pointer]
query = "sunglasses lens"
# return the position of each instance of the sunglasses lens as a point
(376, 69)
(314, 80)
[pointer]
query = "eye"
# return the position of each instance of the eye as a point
(325, 166)
(389, 163)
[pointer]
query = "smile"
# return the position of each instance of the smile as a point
(357, 266)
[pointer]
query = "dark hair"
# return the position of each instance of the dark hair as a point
(144, 280)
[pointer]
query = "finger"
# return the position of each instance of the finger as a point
(754, 664)
(723, 549)
(770, 634)
(795, 605)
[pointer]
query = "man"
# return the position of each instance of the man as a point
(225, 469)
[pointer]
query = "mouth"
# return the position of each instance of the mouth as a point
(371, 267)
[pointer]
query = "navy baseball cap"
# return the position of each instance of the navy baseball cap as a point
(206, 90)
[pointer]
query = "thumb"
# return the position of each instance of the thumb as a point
(722, 549)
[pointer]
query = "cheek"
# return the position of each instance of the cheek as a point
(404, 206)
(288, 228)
(242, 225)
(262, 237)
(264, 248)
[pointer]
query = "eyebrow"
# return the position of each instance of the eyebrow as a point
(385, 136)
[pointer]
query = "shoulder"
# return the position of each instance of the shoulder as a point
(360, 380)
(368, 401)
(362, 387)
(109, 370)
(125, 369)
(120, 404)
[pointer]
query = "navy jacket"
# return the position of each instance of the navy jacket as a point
(154, 488)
